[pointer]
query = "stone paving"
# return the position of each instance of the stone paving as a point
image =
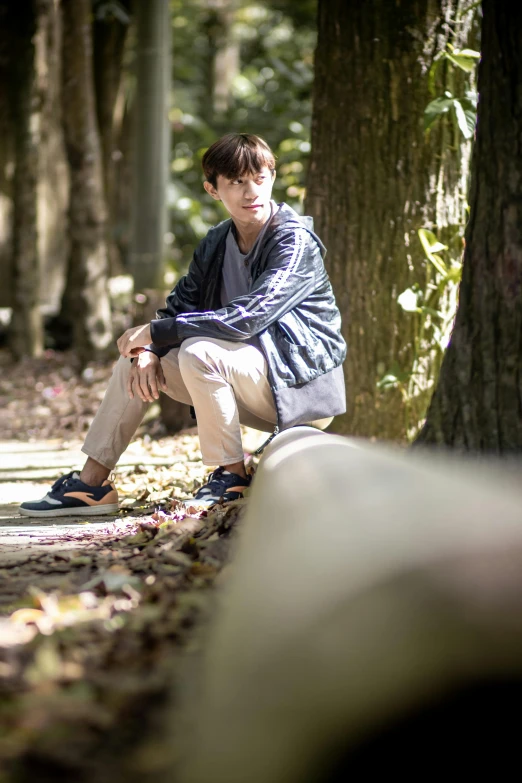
(26, 471)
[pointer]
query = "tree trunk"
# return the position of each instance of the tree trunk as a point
(6, 163)
(53, 169)
(478, 401)
(26, 323)
(109, 36)
(375, 178)
(123, 178)
(152, 143)
(151, 170)
(225, 55)
(86, 302)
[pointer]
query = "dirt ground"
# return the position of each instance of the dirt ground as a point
(97, 619)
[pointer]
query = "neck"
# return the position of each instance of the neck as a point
(246, 236)
(247, 233)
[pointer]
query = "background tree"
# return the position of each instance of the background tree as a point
(85, 303)
(224, 48)
(6, 161)
(478, 400)
(110, 27)
(270, 94)
(375, 179)
(152, 144)
(48, 168)
(26, 327)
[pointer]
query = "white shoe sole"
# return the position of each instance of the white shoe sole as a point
(84, 511)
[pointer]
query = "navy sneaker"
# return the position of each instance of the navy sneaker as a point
(221, 487)
(70, 497)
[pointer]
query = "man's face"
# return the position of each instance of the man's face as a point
(246, 199)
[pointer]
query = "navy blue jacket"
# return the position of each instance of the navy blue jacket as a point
(290, 308)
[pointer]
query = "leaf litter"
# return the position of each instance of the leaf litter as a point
(90, 634)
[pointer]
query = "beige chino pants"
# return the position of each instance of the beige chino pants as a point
(226, 383)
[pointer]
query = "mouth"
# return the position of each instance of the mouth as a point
(253, 206)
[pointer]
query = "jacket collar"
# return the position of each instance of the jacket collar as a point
(284, 218)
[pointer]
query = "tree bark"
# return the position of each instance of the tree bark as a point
(53, 169)
(152, 143)
(6, 163)
(151, 170)
(478, 401)
(85, 303)
(123, 179)
(26, 333)
(224, 49)
(109, 36)
(375, 178)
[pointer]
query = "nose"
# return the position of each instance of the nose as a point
(251, 191)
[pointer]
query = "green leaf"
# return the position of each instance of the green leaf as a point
(470, 110)
(471, 99)
(465, 59)
(433, 71)
(427, 239)
(429, 243)
(430, 311)
(437, 247)
(388, 382)
(436, 109)
(467, 53)
(439, 264)
(462, 120)
(394, 378)
(455, 273)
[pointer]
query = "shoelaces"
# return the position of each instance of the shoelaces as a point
(215, 475)
(60, 484)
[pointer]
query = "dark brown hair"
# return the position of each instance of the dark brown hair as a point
(236, 154)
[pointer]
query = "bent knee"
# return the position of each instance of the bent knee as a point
(196, 351)
(122, 367)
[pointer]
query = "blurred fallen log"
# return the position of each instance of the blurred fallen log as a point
(371, 623)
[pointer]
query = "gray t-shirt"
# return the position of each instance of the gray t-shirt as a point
(237, 273)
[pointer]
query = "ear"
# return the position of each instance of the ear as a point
(273, 174)
(211, 190)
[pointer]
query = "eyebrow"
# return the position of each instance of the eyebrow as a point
(245, 174)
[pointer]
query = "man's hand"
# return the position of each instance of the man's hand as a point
(132, 342)
(145, 377)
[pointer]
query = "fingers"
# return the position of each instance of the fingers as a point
(153, 385)
(143, 388)
(137, 384)
(146, 382)
(148, 389)
(161, 378)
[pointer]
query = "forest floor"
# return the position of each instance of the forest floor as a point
(96, 618)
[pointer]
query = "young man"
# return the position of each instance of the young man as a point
(251, 335)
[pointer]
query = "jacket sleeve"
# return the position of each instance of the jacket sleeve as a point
(184, 298)
(289, 277)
